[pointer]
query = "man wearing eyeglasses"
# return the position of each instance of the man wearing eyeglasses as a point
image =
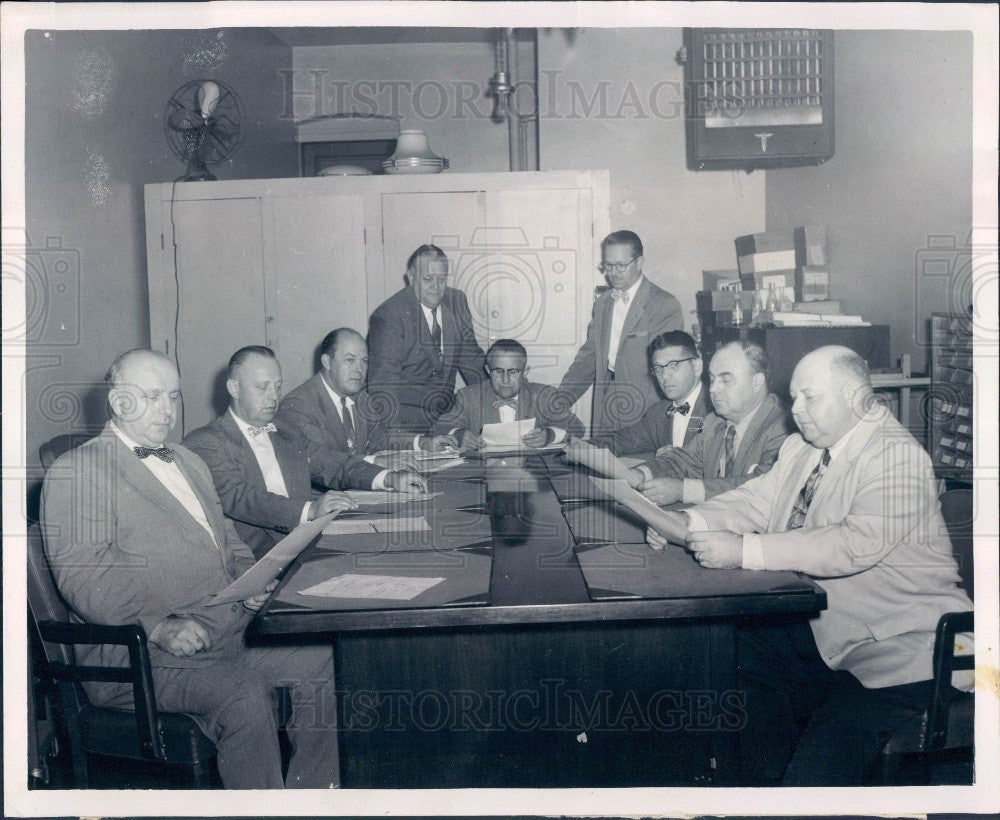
(508, 396)
(625, 319)
(677, 419)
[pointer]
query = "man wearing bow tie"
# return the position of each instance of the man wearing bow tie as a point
(260, 474)
(677, 419)
(625, 320)
(135, 533)
(508, 396)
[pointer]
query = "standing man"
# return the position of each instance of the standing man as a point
(508, 396)
(677, 419)
(419, 338)
(342, 428)
(261, 475)
(852, 502)
(134, 533)
(625, 320)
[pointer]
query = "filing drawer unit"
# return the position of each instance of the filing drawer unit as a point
(950, 411)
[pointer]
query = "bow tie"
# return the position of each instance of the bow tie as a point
(620, 296)
(162, 453)
(256, 431)
(683, 409)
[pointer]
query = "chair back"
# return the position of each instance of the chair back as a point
(43, 598)
(56, 446)
(957, 511)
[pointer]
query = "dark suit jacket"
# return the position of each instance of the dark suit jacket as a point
(123, 549)
(655, 429)
(308, 413)
(477, 405)
(402, 369)
(757, 452)
(259, 516)
(622, 402)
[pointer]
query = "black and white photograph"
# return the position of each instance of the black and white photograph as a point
(450, 408)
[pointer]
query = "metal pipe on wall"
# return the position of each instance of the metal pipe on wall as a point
(513, 117)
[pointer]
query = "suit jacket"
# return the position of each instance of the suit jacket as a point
(259, 516)
(403, 370)
(477, 405)
(308, 413)
(655, 429)
(123, 549)
(622, 402)
(873, 537)
(758, 450)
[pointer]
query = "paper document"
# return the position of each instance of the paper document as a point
(373, 497)
(255, 579)
(519, 449)
(597, 459)
(438, 466)
(669, 524)
(507, 433)
(391, 587)
(376, 525)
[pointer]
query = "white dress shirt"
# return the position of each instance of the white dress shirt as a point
(263, 450)
(429, 316)
(680, 420)
(379, 482)
(171, 477)
(618, 314)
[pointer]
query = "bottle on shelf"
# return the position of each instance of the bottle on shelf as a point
(772, 299)
(737, 312)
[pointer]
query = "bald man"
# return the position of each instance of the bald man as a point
(134, 533)
(851, 502)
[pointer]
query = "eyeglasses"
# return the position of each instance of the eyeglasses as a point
(621, 267)
(671, 367)
(512, 373)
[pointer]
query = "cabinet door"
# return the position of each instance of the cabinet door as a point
(314, 276)
(219, 306)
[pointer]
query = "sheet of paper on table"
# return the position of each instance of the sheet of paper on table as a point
(507, 433)
(351, 585)
(438, 466)
(376, 525)
(375, 497)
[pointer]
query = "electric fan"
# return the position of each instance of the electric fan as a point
(204, 124)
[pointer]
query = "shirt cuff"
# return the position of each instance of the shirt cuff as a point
(559, 435)
(753, 551)
(378, 483)
(416, 442)
(305, 513)
(693, 492)
(370, 459)
(696, 521)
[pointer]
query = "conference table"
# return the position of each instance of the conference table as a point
(515, 630)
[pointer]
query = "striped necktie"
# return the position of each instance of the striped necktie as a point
(798, 516)
(730, 444)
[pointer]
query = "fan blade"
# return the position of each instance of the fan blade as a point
(184, 120)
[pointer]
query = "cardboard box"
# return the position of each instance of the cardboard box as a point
(824, 306)
(766, 262)
(763, 243)
(720, 300)
(810, 245)
(764, 281)
(812, 284)
(712, 279)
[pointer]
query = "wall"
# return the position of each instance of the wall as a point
(613, 98)
(901, 175)
(94, 121)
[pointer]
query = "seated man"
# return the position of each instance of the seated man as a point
(675, 420)
(261, 476)
(134, 533)
(342, 428)
(507, 396)
(852, 502)
(738, 441)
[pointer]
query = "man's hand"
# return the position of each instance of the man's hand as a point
(538, 437)
(470, 441)
(331, 501)
(663, 491)
(662, 451)
(574, 447)
(397, 461)
(435, 444)
(636, 478)
(406, 481)
(257, 601)
(182, 637)
(654, 539)
(717, 550)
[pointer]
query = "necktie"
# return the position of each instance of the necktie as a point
(348, 421)
(256, 431)
(162, 453)
(436, 337)
(683, 409)
(730, 465)
(620, 296)
(805, 497)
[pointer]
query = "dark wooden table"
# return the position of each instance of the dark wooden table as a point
(542, 687)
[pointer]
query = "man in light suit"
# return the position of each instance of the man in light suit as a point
(738, 441)
(419, 338)
(135, 533)
(508, 396)
(852, 502)
(343, 429)
(625, 320)
(260, 474)
(675, 420)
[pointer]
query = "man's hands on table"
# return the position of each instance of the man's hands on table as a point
(403, 460)
(406, 481)
(720, 549)
(435, 444)
(538, 437)
(332, 501)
